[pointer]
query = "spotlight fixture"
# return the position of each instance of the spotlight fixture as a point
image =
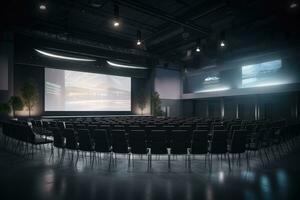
(138, 38)
(293, 4)
(43, 5)
(222, 44)
(116, 20)
(116, 24)
(222, 39)
(198, 48)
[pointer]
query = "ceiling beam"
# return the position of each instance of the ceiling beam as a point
(195, 13)
(157, 13)
(100, 12)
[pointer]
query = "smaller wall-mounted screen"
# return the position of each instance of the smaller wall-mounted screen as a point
(211, 78)
(262, 74)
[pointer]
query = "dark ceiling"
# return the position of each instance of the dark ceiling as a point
(171, 29)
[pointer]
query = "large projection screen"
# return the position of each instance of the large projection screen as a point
(81, 91)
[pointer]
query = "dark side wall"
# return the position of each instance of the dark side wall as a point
(250, 107)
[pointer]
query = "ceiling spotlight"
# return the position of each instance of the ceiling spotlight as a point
(222, 39)
(116, 16)
(138, 38)
(43, 5)
(293, 5)
(222, 44)
(116, 24)
(199, 46)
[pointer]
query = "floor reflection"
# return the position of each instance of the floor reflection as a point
(57, 178)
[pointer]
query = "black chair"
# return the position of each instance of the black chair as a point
(71, 139)
(58, 142)
(180, 144)
(218, 145)
(137, 144)
(158, 144)
(119, 142)
(85, 141)
(199, 143)
(238, 145)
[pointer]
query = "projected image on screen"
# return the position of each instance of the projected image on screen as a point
(80, 91)
(262, 74)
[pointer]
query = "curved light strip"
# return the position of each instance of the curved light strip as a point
(124, 66)
(214, 89)
(63, 57)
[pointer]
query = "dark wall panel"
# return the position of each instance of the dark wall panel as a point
(25, 73)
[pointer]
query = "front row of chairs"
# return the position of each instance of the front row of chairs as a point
(157, 143)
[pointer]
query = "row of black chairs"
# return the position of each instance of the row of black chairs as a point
(23, 135)
(157, 143)
(162, 142)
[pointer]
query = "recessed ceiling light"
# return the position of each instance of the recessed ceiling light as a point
(116, 23)
(43, 6)
(198, 49)
(116, 16)
(138, 38)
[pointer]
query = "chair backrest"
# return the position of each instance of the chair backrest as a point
(218, 127)
(84, 139)
(137, 141)
(119, 141)
(238, 142)
(219, 142)
(179, 141)
(202, 127)
(199, 144)
(71, 140)
(101, 140)
(158, 141)
(58, 138)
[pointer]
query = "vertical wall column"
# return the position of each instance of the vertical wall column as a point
(7, 65)
(294, 106)
(257, 109)
(237, 111)
(206, 109)
(222, 107)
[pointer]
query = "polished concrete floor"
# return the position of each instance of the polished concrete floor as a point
(51, 177)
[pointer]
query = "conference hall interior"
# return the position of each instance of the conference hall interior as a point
(136, 99)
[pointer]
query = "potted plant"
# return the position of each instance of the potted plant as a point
(5, 108)
(16, 104)
(30, 95)
(142, 102)
(156, 104)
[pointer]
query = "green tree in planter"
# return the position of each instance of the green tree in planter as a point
(30, 95)
(156, 105)
(5, 108)
(16, 104)
(142, 102)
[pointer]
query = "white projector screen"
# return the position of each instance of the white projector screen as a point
(81, 91)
